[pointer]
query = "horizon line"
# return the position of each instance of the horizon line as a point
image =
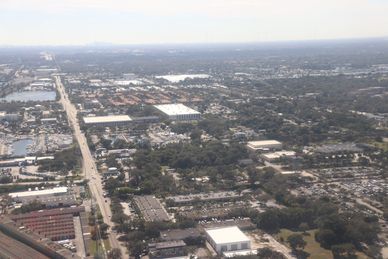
(111, 44)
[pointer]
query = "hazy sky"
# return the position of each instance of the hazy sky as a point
(60, 22)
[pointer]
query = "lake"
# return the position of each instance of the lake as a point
(33, 96)
(19, 147)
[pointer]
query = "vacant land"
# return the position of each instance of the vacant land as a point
(312, 247)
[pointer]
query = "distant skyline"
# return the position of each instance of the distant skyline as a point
(79, 22)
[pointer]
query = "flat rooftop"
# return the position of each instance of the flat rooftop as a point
(169, 244)
(55, 190)
(264, 142)
(227, 235)
(151, 209)
(279, 154)
(175, 109)
(204, 196)
(261, 143)
(107, 119)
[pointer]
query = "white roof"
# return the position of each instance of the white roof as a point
(175, 109)
(279, 154)
(39, 192)
(227, 235)
(290, 172)
(260, 143)
(179, 78)
(103, 119)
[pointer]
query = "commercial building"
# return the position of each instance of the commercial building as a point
(23, 161)
(111, 172)
(178, 112)
(146, 119)
(212, 196)
(181, 234)
(108, 121)
(9, 116)
(58, 196)
(49, 120)
(169, 249)
(338, 148)
(277, 155)
(150, 208)
(227, 239)
(264, 145)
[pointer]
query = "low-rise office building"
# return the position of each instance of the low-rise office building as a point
(278, 155)
(169, 249)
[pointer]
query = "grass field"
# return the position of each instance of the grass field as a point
(383, 146)
(313, 247)
(93, 247)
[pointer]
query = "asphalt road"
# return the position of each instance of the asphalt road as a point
(89, 165)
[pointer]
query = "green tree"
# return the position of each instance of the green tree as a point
(115, 253)
(304, 227)
(344, 251)
(296, 241)
(267, 253)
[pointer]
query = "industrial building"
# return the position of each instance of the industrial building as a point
(58, 196)
(227, 239)
(19, 242)
(108, 121)
(56, 224)
(264, 145)
(178, 112)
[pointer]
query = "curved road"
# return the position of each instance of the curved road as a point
(89, 166)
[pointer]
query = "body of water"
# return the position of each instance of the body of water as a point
(34, 96)
(19, 147)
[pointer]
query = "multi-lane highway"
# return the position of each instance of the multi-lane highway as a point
(89, 165)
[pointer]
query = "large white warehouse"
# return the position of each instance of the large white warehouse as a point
(107, 121)
(58, 196)
(264, 145)
(228, 239)
(178, 112)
